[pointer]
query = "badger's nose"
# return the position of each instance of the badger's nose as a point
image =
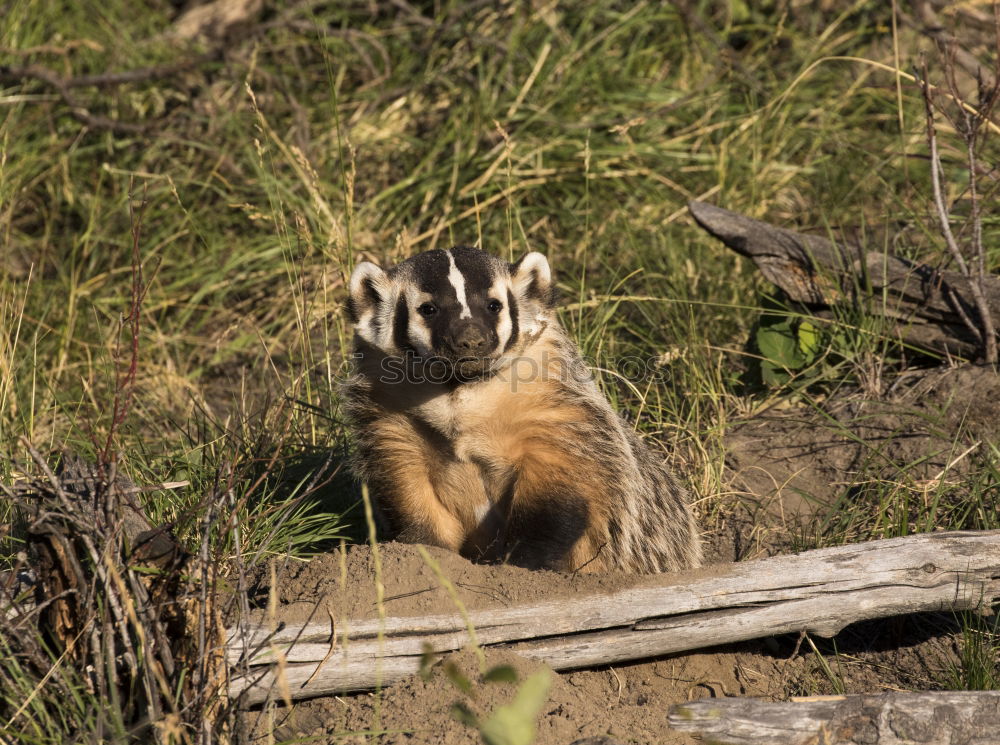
(470, 341)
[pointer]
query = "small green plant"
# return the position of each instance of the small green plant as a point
(798, 350)
(789, 346)
(509, 724)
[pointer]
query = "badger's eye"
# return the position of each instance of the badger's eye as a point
(427, 310)
(494, 306)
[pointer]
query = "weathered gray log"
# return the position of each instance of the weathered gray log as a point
(818, 591)
(924, 305)
(936, 718)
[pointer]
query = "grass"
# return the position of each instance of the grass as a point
(977, 668)
(333, 132)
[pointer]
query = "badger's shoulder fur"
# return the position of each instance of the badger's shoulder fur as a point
(479, 427)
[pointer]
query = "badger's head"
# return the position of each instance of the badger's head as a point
(461, 307)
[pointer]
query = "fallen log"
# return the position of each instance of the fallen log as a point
(924, 305)
(817, 591)
(893, 718)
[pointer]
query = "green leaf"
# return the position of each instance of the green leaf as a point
(457, 678)
(809, 341)
(778, 344)
(773, 375)
(464, 714)
(786, 345)
(515, 723)
(501, 674)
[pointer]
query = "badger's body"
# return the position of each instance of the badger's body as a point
(480, 429)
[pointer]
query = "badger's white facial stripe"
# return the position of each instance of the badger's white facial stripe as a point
(417, 332)
(457, 280)
(504, 324)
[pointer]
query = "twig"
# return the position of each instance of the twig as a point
(125, 383)
(62, 51)
(936, 173)
(956, 302)
(968, 124)
(76, 109)
(333, 645)
(985, 331)
(138, 75)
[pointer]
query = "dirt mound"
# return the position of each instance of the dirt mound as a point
(344, 582)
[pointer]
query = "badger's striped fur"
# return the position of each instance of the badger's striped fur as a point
(479, 427)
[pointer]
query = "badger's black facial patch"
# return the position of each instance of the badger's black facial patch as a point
(430, 273)
(401, 325)
(514, 329)
(477, 268)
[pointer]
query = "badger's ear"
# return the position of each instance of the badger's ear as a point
(532, 278)
(368, 287)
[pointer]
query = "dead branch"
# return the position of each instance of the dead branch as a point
(817, 591)
(923, 306)
(63, 86)
(891, 718)
(928, 22)
(120, 600)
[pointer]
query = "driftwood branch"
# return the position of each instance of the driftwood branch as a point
(892, 718)
(213, 21)
(925, 306)
(818, 591)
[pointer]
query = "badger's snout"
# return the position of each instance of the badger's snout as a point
(470, 339)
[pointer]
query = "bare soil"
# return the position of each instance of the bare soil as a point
(785, 467)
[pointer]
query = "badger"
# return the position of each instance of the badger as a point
(479, 428)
